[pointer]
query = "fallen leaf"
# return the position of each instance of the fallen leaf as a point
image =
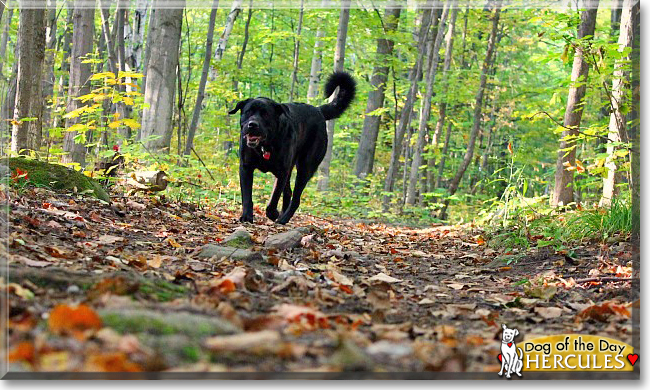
(80, 321)
(382, 277)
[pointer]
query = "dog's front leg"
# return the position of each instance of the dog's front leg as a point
(281, 180)
(246, 186)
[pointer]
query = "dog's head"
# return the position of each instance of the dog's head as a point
(260, 119)
(509, 335)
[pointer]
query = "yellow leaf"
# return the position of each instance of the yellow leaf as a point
(115, 124)
(77, 127)
(103, 75)
(127, 100)
(132, 123)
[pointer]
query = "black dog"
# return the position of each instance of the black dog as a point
(276, 137)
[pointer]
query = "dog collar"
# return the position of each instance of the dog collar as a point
(265, 153)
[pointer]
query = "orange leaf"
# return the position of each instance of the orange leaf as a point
(227, 286)
(111, 362)
(345, 288)
(78, 321)
(510, 148)
(24, 351)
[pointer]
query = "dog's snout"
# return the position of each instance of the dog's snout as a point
(252, 125)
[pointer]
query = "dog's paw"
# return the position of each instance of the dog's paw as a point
(272, 214)
(282, 220)
(246, 218)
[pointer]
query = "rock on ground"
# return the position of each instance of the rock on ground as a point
(240, 238)
(285, 240)
(218, 251)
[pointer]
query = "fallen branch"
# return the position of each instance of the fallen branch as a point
(605, 279)
(147, 181)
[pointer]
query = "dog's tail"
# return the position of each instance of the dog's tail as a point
(521, 354)
(347, 88)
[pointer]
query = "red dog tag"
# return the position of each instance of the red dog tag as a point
(266, 155)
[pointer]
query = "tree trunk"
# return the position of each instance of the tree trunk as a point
(136, 43)
(28, 103)
(563, 190)
(242, 52)
(405, 116)
(365, 158)
(296, 51)
(442, 107)
(5, 38)
(634, 131)
(618, 103)
(82, 45)
(445, 150)
(317, 59)
(339, 60)
(426, 109)
(487, 63)
(204, 79)
(48, 64)
(161, 74)
(223, 41)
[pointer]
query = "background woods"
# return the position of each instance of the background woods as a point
(459, 113)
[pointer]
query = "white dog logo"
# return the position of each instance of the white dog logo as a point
(510, 361)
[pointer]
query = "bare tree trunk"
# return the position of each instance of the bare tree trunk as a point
(317, 59)
(426, 109)
(223, 41)
(563, 190)
(136, 43)
(634, 131)
(443, 158)
(405, 116)
(204, 79)
(48, 64)
(28, 103)
(487, 63)
(82, 45)
(365, 158)
(339, 60)
(5, 37)
(242, 52)
(35, 127)
(296, 51)
(618, 102)
(161, 73)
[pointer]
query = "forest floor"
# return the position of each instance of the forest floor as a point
(145, 284)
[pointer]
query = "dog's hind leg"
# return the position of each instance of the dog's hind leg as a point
(281, 183)
(302, 177)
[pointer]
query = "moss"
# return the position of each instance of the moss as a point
(138, 324)
(161, 290)
(57, 177)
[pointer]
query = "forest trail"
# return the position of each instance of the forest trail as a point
(135, 287)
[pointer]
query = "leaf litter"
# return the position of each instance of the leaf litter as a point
(124, 288)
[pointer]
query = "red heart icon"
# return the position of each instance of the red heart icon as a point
(501, 357)
(632, 358)
(509, 344)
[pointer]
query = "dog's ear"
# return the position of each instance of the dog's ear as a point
(516, 333)
(504, 326)
(281, 109)
(239, 106)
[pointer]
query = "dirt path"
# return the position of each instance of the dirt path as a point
(131, 287)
